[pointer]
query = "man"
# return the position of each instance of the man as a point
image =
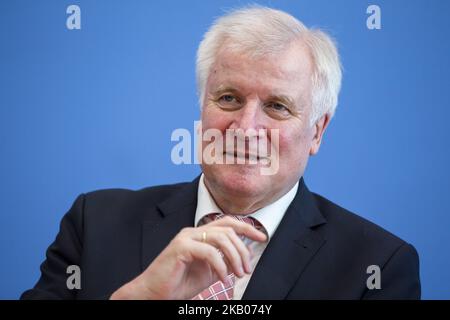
(235, 233)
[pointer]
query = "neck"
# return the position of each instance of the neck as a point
(239, 204)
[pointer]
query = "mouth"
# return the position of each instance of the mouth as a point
(246, 156)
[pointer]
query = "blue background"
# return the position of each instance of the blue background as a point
(95, 108)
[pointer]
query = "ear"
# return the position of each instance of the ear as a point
(319, 128)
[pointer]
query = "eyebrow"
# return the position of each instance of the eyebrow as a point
(223, 89)
(288, 101)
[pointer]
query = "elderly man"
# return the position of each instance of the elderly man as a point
(235, 233)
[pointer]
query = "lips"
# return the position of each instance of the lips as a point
(245, 155)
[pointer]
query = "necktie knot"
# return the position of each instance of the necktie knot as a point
(247, 219)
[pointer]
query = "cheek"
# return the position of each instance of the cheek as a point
(294, 145)
(213, 119)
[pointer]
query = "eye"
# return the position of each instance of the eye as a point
(278, 110)
(278, 107)
(227, 98)
(229, 102)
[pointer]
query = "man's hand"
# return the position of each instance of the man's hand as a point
(189, 265)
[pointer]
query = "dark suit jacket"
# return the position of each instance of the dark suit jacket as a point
(319, 251)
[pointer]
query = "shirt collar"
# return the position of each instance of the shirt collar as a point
(270, 216)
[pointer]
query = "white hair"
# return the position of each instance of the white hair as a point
(260, 31)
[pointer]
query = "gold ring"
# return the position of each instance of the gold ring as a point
(204, 237)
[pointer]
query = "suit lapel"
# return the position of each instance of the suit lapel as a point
(291, 248)
(175, 213)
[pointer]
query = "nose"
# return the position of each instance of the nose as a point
(248, 117)
(249, 127)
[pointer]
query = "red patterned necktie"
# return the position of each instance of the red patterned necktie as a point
(224, 290)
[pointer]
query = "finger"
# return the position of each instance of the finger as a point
(221, 241)
(242, 228)
(243, 250)
(209, 254)
(238, 243)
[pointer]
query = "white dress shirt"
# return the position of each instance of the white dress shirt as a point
(269, 216)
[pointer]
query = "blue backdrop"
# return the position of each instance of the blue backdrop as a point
(95, 108)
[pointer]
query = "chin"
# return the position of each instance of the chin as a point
(239, 180)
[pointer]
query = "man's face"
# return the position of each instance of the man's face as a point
(265, 93)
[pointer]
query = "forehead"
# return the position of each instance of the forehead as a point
(287, 72)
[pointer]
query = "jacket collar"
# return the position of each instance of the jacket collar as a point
(293, 245)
